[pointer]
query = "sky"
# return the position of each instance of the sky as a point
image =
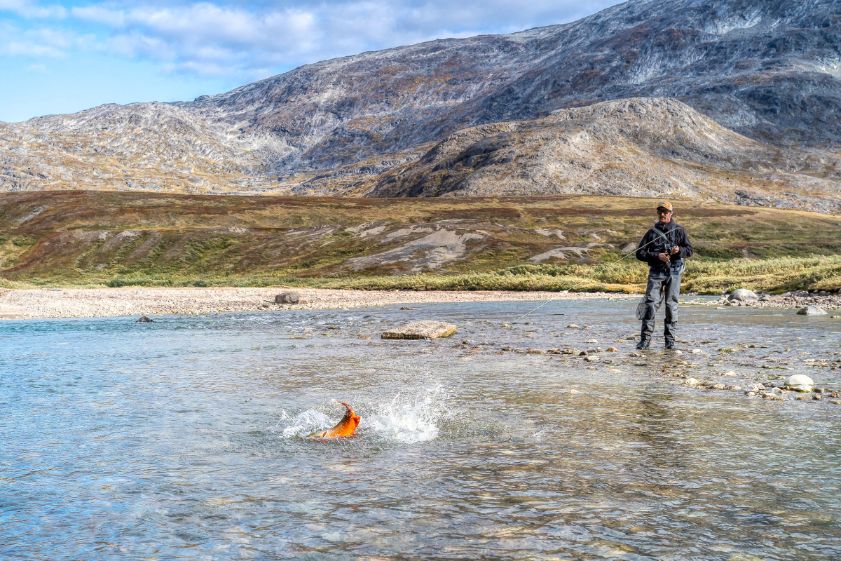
(62, 57)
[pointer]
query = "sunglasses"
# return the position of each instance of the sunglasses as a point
(663, 211)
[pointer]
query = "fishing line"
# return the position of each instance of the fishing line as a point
(624, 255)
(533, 310)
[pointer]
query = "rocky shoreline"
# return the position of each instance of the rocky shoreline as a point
(45, 303)
(798, 300)
(715, 372)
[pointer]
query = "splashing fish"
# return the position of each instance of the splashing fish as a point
(345, 428)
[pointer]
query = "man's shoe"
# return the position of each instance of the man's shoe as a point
(670, 345)
(643, 344)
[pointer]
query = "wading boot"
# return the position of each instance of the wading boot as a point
(670, 344)
(643, 344)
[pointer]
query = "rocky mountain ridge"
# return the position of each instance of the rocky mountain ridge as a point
(770, 70)
(687, 155)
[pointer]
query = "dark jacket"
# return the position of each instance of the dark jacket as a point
(660, 239)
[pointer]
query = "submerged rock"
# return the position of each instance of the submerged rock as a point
(423, 329)
(144, 319)
(812, 311)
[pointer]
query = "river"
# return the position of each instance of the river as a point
(185, 438)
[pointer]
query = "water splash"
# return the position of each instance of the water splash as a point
(304, 423)
(410, 418)
(406, 417)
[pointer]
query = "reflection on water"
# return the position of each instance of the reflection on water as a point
(184, 439)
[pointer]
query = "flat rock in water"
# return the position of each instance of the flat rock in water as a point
(812, 311)
(423, 329)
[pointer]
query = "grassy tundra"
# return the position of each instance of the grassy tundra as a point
(553, 243)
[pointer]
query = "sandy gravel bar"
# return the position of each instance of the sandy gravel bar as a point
(44, 303)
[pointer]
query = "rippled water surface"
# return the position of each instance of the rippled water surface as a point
(185, 438)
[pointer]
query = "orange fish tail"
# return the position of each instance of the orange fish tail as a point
(345, 428)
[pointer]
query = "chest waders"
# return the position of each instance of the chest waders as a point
(663, 286)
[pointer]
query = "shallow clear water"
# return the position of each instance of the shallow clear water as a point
(184, 438)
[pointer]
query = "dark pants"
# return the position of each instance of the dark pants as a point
(665, 284)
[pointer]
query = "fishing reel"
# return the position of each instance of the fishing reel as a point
(667, 251)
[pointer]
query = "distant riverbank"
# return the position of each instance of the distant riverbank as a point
(42, 303)
(575, 243)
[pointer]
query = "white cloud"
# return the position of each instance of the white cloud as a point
(237, 39)
(34, 50)
(39, 42)
(197, 22)
(135, 44)
(199, 67)
(100, 14)
(27, 9)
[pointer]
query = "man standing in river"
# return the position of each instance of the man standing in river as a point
(663, 247)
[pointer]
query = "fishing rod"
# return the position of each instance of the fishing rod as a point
(662, 237)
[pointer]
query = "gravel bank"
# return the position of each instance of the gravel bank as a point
(790, 300)
(45, 303)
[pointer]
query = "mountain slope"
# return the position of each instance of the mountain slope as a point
(638, 147)
(148, 146)
(770, 70)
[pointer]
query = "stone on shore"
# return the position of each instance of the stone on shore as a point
(423, 329)
(743, 295)
(800, 383)
(812, 311)
(287, 298)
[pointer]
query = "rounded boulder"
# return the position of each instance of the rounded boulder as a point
(800, 383)
(743, 295)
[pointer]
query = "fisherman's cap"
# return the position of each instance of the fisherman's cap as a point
(665, 204)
